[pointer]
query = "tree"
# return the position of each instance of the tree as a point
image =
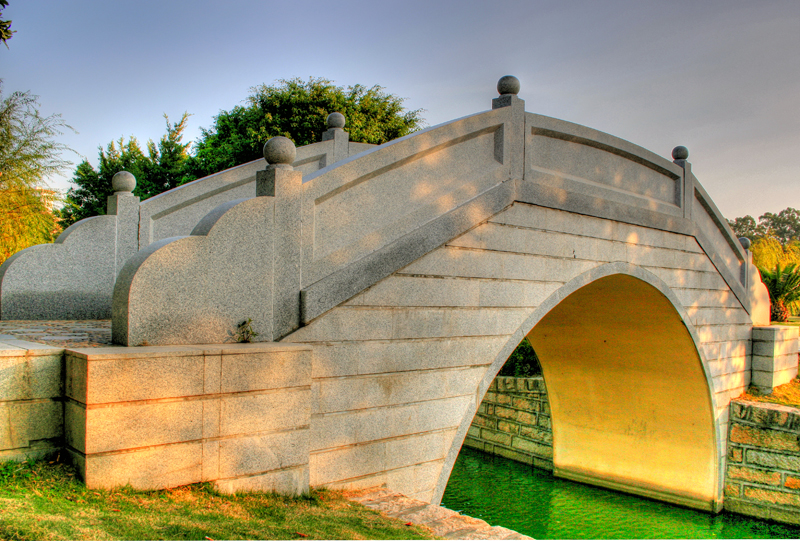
(5, 26)
(522, 363)
(784, 226)
(29, 153)
(746, 226)
(297, 109)
(158, 171)
(769, 252)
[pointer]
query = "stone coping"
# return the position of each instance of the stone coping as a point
(441, 521)
(87, 340)
(151, 352)
(768, 406)
(11, 347)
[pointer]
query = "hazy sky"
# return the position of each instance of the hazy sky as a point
(721, 77)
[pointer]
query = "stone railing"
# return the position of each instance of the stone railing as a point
(763, 473)
(514, 421)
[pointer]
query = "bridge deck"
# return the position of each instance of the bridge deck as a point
(63, 333)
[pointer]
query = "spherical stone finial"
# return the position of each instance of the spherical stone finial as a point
(280, 151)
(680, 153)
(123, 182)
(335, 120)
(508, 84)
(745, 242)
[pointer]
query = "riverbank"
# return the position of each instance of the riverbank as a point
(45, 501)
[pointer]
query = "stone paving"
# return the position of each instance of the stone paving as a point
(72, 334)
(442, 522)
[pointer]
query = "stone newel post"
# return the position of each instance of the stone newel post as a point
(340, 138)
(679, 156)
(508, 87)
(125, 206)
(281, 181)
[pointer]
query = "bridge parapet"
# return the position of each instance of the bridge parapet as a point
(578, 169)
(74, 277)
(347, 226)
(177, 211)
(360, 219)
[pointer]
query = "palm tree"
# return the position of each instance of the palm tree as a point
(783, 285)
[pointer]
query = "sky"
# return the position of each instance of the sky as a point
(721, 77)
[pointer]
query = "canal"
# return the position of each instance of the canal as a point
(533, 502)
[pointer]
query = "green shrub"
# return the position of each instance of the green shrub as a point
(783, 285)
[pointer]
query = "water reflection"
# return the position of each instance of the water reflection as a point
(533, 502)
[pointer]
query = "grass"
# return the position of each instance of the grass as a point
(45, 500)
(786, 395)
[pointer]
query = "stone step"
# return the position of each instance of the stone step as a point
(442, 522)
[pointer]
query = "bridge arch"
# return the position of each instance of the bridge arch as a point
(631, 397)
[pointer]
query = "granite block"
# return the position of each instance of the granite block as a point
(258, 454)
(131, 426)
(153, 468)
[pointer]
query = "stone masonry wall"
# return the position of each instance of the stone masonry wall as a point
(31, 399)
(763, 472)
(514, 421)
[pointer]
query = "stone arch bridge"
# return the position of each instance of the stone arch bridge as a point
(388, 286)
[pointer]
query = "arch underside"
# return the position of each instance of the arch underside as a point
(400, 369)
(631, 409)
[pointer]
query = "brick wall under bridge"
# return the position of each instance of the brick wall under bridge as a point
(513, 421)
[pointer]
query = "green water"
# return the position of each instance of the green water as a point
(533, 502)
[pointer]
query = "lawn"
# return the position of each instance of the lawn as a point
(45, 500)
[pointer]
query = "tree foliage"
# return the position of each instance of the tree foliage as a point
(522, 363)
(297, 109)
(5, 26)
(769, 252)
(161, 169)
(784, 226)
(29, 153)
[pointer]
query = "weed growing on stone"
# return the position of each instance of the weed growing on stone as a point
(244, 332)
(45, 500)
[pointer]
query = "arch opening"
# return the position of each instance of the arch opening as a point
(630, 401)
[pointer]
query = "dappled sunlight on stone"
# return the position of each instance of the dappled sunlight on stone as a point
(385, 289)
(422, 190)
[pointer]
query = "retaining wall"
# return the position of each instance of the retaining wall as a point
(31, 399)
(763, 472)
(158, 417)
(514, 421)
